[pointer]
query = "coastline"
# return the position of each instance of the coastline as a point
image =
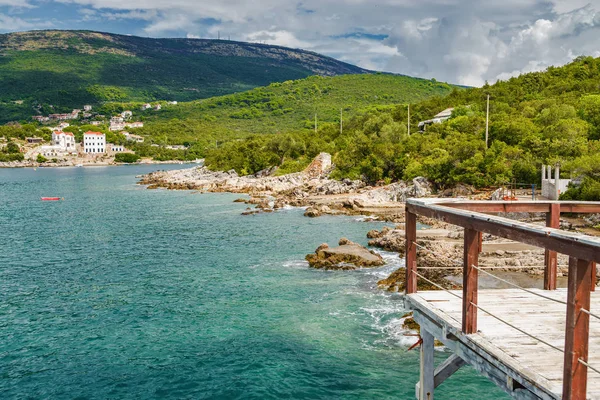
(35, 164)
(319, 195)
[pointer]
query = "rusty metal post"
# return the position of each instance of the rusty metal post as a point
(577, 329)
(411, 252)
(470, 281)
(552, 221)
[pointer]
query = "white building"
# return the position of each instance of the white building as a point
(65, 142)
(116, 119)
(438, 119)
(146, 106)
(96, 123)
(135, 125)
(94, 142)
(126, 114)
(133, 138)
(116, 126)
(87, 107)
(116, 148)
(173, 103)
(157, 107)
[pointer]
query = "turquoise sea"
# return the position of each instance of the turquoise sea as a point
(119, 292)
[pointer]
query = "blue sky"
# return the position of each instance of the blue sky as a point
(466, 42)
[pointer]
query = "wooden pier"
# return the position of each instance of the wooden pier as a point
(534, 344)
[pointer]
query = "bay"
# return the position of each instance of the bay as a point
(126, 293)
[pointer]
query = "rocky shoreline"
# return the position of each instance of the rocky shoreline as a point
(311, 188)
(440, 245)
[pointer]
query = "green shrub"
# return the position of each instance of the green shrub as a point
(127, 157)
(41, 159)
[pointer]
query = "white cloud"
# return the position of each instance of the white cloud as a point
(462, 41)
(10, 24)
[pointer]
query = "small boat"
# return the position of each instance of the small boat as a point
(52, 198)
(79, 165)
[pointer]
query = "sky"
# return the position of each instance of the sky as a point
(457, 41)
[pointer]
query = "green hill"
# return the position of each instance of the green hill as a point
(537, 118)
(67, 69)
(281, 107)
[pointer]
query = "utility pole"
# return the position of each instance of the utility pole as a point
(218, 35)
(408, 123)
(341, 120)
(316, 126)
(487, 121)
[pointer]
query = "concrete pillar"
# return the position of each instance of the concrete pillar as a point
(556, 181)
(549, 172)
(543, 172)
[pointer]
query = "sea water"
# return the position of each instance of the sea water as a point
(119, 292)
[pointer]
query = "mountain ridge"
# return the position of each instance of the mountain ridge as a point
(48, 71)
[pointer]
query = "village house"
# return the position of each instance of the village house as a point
(94, 142)
(157, 107)
(87, 115)
(116, 120)
(34, 140)
(135, 125)
(126, 114)
(116, 126)
(87, 108)
(64, 142)
(40, 118)
(96, 123)
(437, 119)
(176, 147)
(173, 103)
(133, 138)
(116, 148)
(146, 107)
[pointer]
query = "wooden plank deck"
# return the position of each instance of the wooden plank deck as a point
(503, 352)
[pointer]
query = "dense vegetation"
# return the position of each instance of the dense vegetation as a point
(279, 107)
(55, 71)
(544, 117)
(127, 158)
(11, 152)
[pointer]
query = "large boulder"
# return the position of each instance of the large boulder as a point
(347, 256)
(320, 166)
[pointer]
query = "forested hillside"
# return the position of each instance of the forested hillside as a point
(67, 69)
(544, 117)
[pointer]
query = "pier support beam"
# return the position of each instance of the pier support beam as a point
(577, 329)
(470, 281)
(411, 252)
(552, 221)
(426, 384)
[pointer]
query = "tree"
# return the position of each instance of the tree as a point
(127, 157)
(41, 159)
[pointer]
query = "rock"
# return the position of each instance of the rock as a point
(348, 256)
(359, 203)
(390, 240)
(345, 241)
(374, 234)
(421, 187)
(312, 212)
(498, 194)
(462, 190)
(319, 167)
(251, 212)
(322, 247)
(240, 200)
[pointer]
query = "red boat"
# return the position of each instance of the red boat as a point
(51, 198)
